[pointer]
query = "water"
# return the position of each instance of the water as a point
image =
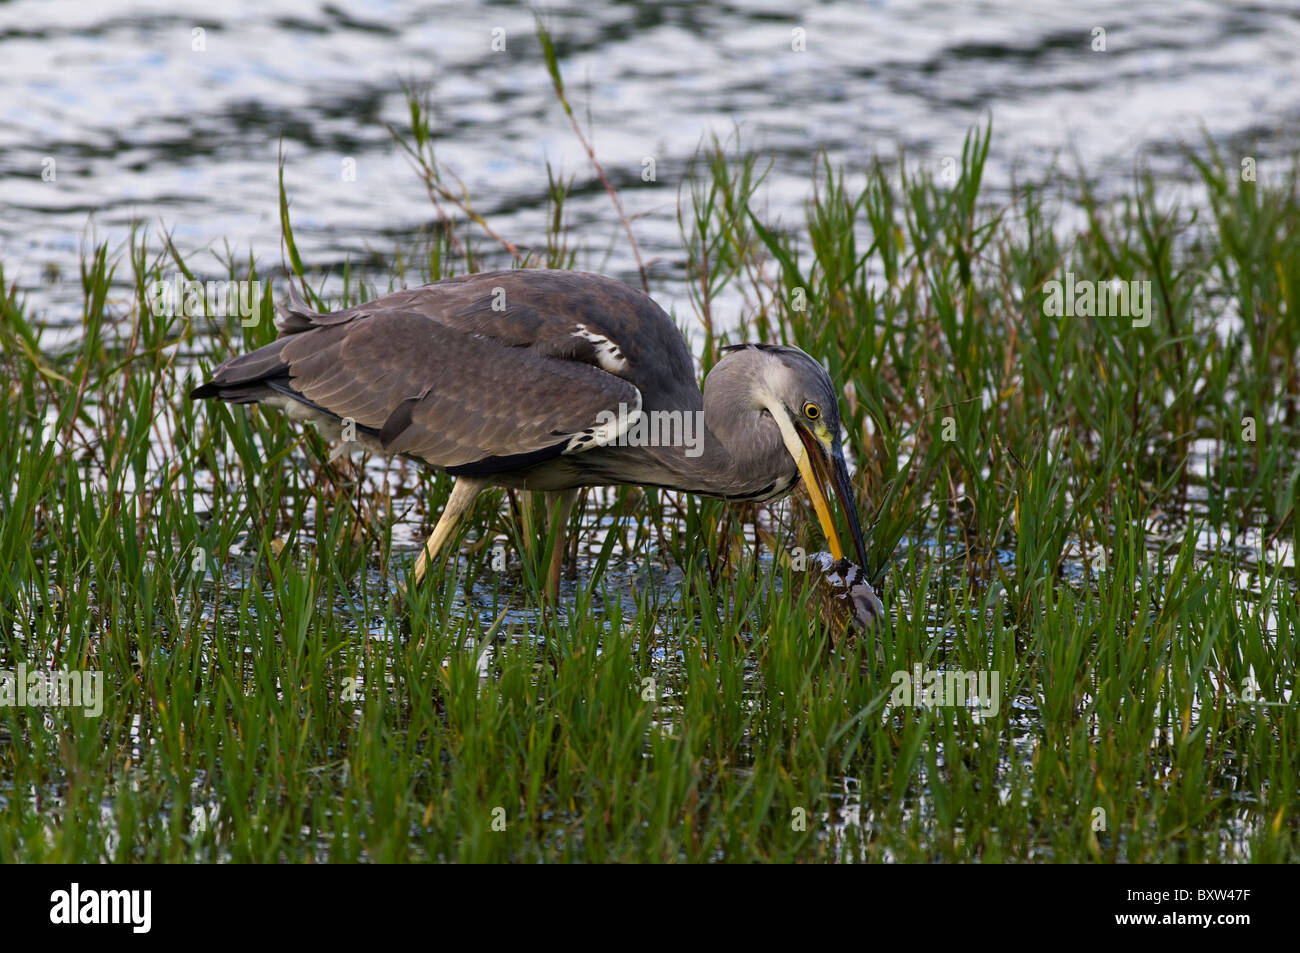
(142, 126)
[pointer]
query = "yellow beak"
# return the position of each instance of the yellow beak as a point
(813, 467)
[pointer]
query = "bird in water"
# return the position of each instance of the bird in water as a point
(550, 381)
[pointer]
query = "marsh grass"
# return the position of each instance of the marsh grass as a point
(1067, 502)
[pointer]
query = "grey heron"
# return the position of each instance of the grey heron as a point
(538, 380)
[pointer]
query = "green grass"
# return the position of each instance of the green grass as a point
(1067, 502)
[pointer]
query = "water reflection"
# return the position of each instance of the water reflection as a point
(144, 118)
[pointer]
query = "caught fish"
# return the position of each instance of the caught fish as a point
(845, 599)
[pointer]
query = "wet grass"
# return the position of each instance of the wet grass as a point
(1098, 510)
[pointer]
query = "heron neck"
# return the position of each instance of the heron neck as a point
(736, 451)
(744, 459)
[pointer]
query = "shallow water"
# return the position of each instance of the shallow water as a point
(141, 126)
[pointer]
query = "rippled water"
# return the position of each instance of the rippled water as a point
(141, 125)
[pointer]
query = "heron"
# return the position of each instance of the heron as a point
(542, 380)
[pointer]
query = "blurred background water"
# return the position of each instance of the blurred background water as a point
(141, 124)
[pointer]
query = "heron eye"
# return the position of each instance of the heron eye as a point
(811, 411)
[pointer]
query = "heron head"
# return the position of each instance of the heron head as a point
(800, 397)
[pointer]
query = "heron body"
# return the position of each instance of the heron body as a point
(543, 380)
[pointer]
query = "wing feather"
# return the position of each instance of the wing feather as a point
(429, 391)
(481, 373)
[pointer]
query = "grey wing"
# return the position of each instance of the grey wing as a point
(458, 401)
(571, 316)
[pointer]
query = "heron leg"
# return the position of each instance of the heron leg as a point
(458, 505)
(559, 505)
(527, 522)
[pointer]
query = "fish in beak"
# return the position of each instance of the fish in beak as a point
(822, 463)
